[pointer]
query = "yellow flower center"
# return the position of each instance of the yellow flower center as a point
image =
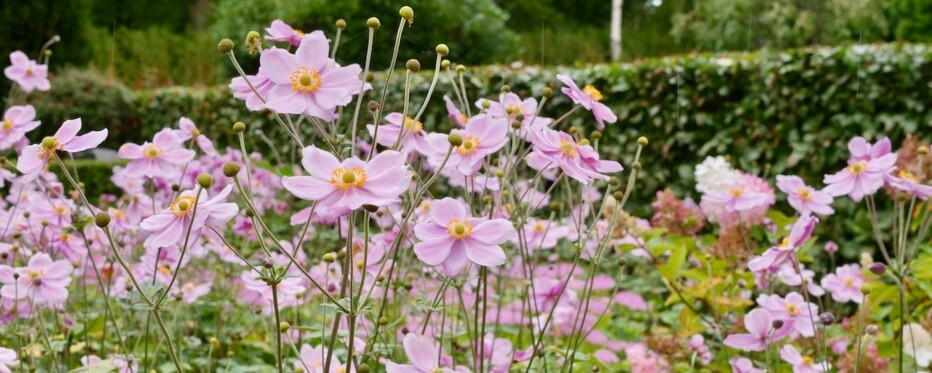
(413, 126)
(119, 214)
(151, 151)
(592, 92)
(539, 228)
(64, 237)
(29, 71)
(791, 309)
(464, 119)
(182, 205)
(785, 242)
(62, 210)
(849, 282)
(514, 109)
(457, 228)
(343, 179)
(470, 144)
(568, 149)
(857, 167)
(804, 193)
(305, 79)
(7, 124)
(807, 361)
(908, 176)
(737, 192)
(34, 273)
(48, 148)
(298, 32)
(165, 270)
(188, 287)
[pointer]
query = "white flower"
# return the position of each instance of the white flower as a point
(916, 335)
(715, 174)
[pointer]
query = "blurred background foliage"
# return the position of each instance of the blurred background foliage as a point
(172, 42)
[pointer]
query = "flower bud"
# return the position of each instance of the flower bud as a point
(878, 268)
(230, 169)
(383, 320)
(642, 141)
(827, 318)
(413, 65)
(267, 263)
(866, 289)
(250, 212)
(373, 23)
(831, 247)
(445, 64)
(253, 42)
(341, 24)
(225, 46)
(176, 187)
(455, 139)
(283, 327)
(362, 368)
(777, 324)
(613, 181)
(583, 142)
(102, 219)
(618, 195)
(596, 135)
(742, 284)
(370, 208)
(506, 88)
(547, 92)
(329, 257)
(872, 330)
(923, 150)
(443, 50)
(461, 68)
(407, 13)
(373, 106)
(205, 180)
(499, 173)
(214, 342)
(636, 165)
(515, 125)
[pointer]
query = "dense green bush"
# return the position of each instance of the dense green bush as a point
(773, 112)
(94, 174)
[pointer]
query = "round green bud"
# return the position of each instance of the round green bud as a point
(572, 130)
(499, 173)
(642, 141)
(329, 258)
(486, 104)
(445, 64)
(413, 65)
(595, 135)
(583, 142)
(866, 289)
(406, 12)
(923, 150)
(253, 37)
(373, 106)
(460, 69)
(250, 212)
(618, 195)
(547, 92)
(516, 125)
(239, 127)
(554, 206)
(225, 46)
(49, 143)
(636, 165)
(341, 254)
(362, 368)
(230, 169)
(283, 327)
(370, 77)
(373, 23)
(486, 200)
(341, 24)
(102, 219)
(205, 180)
(455, 139)
(214, 342)
(506, 88)
(383, 320)
(443, 50)
(370, 208)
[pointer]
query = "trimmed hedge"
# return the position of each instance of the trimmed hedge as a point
(773, 112)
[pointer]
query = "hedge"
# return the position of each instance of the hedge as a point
(771, 112)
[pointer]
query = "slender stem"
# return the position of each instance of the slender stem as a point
(278, 330)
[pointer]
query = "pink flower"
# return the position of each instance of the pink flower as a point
(910, 184)
(454, 238)
(311, 360)
(309, 82)
(740, 198)
(7, 359)
(804, 198)
(775, 256)
(845, 284)
(42, 280)
(17, 121)
(861, 150)
(800, 363)
(481, 137)
(455, 115)
(27, 73)
(744, 365)
(349, 184)
(788, 275)
(554, 149)
(242, 90)
(163, 157)
(761, 333)
(170, 226)
(187, 130)
(423, 354)
(410, 133)
(866, 171)
(793, 310)
(35, 157)
(280, 31)
(509, 106)
(588, 97)
(542, 234)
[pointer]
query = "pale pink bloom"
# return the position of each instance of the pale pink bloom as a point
(910, 184)
(481, 138)
(793, 310)
(588, 97)
(547, 291)
(643, 360)
(845, 284)
(42, 280)
(187, 130)
(309, 82)
(280, 31)
(761, 333)
(7, 359)
(258, 293)
(454, 238)
(349, 184)
(454, 113)
(804, 198)
(542, 234)
(163, 157)
(395, 129)
(865, 174)
(242, 90)
(831, 247)
(788, 275)
(311, 360)
(631, 301)
(775, 256)
(17, 121)
(862, 150)
(191, 292)
(740, 198)
(554, 149)
(422, 353)
(170, 226)
(507, 108)
(27, 73)
(120, 363)
(35, 157)
(498, 353)
(800, 363)
(744, 365)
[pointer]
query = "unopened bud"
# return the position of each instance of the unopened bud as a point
(267, 263)
(872, 330)
(827, 318)
(406, 12)
(866, 289)
(205, 180)
(742, 284)
(506, 88)
(230, 169)
(777, 324)
(283, 327)
(370, 208)
(547, 92)
(383, 320)
(373, 106)
(613, 181)
(413, 65)
(642, 141)
(596, 135)
(102, 219)
(445, 64)
(877, 268)
(225, 46)
(636, 165)
(362, 368)
(373, 23)
(341, 24)
(239, 127)
(329, 257)
(461, 68)
(455, 139)
(214, 342)
(442, 49)
(923, 150)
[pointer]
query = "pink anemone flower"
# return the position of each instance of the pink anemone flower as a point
(845, 284)
(761, 333)
(775, 256)
(281, 31)
(17, 121)
(42, 280)
(163, 157)
(800, 363)
(27, 73)
(866, 171)
(454, 238)
(35, 157)
(481, 137)
(242, 90)
(589, 98)
(422, 353)
(804, 198)
(171, 226)
(554, 149)
(405, 129)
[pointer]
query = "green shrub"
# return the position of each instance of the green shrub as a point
(94, 174)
